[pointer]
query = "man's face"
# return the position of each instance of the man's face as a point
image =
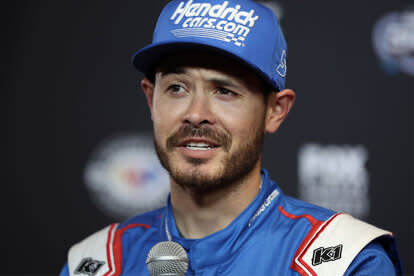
(209, 120)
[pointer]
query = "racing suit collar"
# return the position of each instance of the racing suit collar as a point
(222, 246)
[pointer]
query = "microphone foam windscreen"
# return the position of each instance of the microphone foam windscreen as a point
(167, 258)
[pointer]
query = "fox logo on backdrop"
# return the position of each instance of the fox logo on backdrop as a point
(335, 177)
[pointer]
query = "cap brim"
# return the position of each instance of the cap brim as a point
(148, 57)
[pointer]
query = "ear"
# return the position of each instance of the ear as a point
(148, 88)
(278, 107)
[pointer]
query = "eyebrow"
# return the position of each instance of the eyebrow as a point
(168, 70)
(223, 82)
(173, 70)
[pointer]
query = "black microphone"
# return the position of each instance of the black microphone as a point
(167, 259)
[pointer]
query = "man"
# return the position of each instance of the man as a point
(215, 84)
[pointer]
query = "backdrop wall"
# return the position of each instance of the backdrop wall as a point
(70, 90)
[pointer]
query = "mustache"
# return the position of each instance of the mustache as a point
(189, 131)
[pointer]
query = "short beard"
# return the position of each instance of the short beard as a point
(234, 167)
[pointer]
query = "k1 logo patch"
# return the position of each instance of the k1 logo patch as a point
(89, 266)
(322, 255)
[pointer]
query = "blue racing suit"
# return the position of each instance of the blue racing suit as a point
(274, 235)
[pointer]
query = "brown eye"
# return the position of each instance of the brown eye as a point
(225, 92)
(176, 89)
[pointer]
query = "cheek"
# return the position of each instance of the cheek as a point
(242, 122)
(165, 117)
(161, 124)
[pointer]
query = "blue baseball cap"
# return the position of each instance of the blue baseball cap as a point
(241, 29)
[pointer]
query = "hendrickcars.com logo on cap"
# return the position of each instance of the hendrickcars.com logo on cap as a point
(221, 21)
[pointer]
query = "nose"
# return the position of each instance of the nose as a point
(199, 111)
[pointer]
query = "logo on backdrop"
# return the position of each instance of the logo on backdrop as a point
(124, 176)
(393, 41)
(276, 7)
(335, 177)
(221, 22)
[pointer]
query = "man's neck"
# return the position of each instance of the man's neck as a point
(201, 214)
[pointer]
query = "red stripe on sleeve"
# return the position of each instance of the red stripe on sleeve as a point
(108, 248)
(319, 231)
(117, 247)
(316, 224)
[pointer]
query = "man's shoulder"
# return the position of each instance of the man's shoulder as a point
(295, 208)
(335, 240)
(144, 221)
(102, 249)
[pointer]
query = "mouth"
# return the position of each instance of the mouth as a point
(198, 144)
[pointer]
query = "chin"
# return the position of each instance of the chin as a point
(200, 177)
